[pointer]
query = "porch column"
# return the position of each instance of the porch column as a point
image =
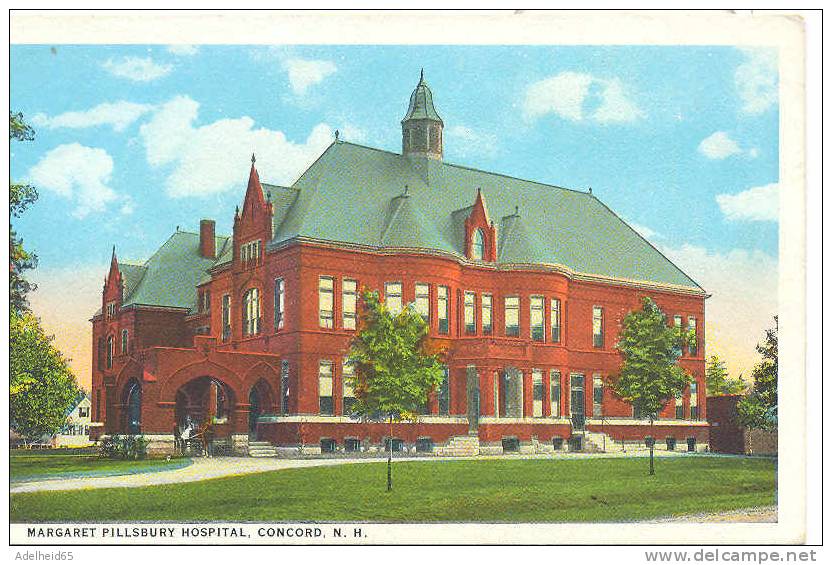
(487, 390)
(528, 392)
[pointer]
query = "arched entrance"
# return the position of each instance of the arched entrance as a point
(133, 407)
(260, 400)
(205, 401)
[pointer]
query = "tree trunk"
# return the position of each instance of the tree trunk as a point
(652, 445)
(390, 457)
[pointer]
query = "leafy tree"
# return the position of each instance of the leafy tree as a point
(20, 197)
(41, 385)
(649, 377)
(396, 365)
(759, 409)
(717, 382)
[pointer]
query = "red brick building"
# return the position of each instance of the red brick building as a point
(526, 284)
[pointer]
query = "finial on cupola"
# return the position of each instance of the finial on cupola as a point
(253, 158)
(337, 135)
(422, 74)
(590, 190)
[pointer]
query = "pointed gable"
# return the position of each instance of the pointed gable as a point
(480, 232)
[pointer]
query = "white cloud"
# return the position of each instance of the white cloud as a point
(138, 69)
(183, 50)
(214, 158)
(644, 231)
(466, 141)
(127, 206)
(304, 73)
(567, 94)
(743, 285)
(119, 115)
(756, 80)
(719, 145)
(758, 204)
(78, 173)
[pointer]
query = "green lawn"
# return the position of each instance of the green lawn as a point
(577, 490)
(31, 465)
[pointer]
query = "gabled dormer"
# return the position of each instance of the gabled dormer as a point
(252, 224)
(113, 294)
(480, 233)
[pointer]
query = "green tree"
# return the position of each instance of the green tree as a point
(717, 382)
(759, 408)
(649, 377)
(41, 385)
(396, 365)
(20, 197)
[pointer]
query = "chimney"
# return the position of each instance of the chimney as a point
(207, 243)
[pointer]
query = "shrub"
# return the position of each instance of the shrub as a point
(123, 447)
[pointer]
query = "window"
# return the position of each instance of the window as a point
(597, 395)
(497, 394)
(284, 386)
(111, 310)
(677, 323)
(251, 312)
(205, 301)
(442, 308)
(110, 352)
(349, 302)
(226, 317)
(348, 373)
(124, 341)
(328, 445)
(537, 393)
(325, 388)
(250, 253)
(445, 394)
(554, 321)
(279, 303)
(554, 383)
(694, 400)
(470, 313)
(536, 321)
(422, 302)
(597, 326)
(693, 344)
(393, 297)
(325, 301)
(512, 311)
(83, 412)
(680, 407)
(478, 246)
(352, 445)
(486, 314)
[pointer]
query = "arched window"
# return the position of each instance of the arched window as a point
(478, 246)
(251, 312)
(109, 352)
(134, 408)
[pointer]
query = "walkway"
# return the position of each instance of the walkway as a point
(212, 468)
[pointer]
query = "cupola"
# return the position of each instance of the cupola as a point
(422, 126)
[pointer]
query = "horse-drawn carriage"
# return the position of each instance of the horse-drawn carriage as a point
(200, 440)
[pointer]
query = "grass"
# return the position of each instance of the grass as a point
(535, 490)
(32, 465)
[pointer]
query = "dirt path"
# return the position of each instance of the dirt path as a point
(748, 515)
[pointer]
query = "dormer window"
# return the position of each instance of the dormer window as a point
(478, 246)
(250, 253)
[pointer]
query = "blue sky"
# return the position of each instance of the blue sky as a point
(135, 140)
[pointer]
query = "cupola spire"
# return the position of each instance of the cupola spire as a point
(421, 126)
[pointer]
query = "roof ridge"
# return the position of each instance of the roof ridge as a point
(466, 167)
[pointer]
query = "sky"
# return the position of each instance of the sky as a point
(133, 141)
